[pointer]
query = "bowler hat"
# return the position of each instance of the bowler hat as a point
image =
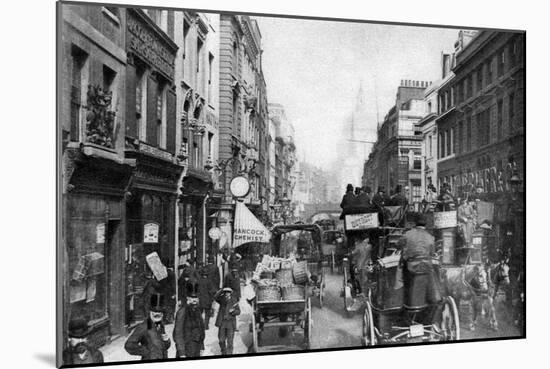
(157, 303)
(78, 328)
(227, 289)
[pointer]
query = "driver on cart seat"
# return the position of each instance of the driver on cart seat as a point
(418, 247)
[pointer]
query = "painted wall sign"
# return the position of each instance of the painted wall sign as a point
(151, 233)
(445, 219)
(361, 221)
(100, 233)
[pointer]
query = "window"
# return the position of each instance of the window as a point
(460, 91)
(185, 49)
(429, 106)
(210, 76)
(500, 65)
(417, 163)
(479, 83)
(511, 110)
(196, 160)
(108, 78)
(513, 52)
(451, 139)
(235, 110)
(416, 191)
(469, 86)
(77, 83)
(469, 134)
(430, 144)
(448, 142)
(460, 137)
(499, 119)
(441, 153)
(484, 126)
(159, 115)
(210, 137)
(489, 68)
(441, 104)
(449, 98)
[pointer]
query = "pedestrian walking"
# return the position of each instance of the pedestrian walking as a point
(233, 281)
(206, 291)
(79, 350)
(189, 327)
(226, 320)
(149, 339)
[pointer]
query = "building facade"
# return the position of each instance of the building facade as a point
(95, 174)
(197, 76)
(482, 130)
(243, 113)
(396, 157)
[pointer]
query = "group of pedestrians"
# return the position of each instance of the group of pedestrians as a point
(198, 290)
(362, 197)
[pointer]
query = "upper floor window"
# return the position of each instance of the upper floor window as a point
(78, 82)
(511, 109)
(499, 119)
(513, 51)
(159, 113)
(460, 91)
(500, 66)
(210, 76)
(469, 134)
(489, 69)
(185, 48)
(469, 86)
(235, 58)
(479, 75)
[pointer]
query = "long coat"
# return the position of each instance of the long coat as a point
(228, 311)
(188, 328)
(146, 341)
(207, 290)
(93, 356)
(234, 283)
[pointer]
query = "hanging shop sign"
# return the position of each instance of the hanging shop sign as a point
(151, 233)
(361, 221)
(239, 186)
(100, 233)
(445, 219)
(215, 233)
(248, 228)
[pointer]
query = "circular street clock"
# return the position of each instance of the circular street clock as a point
(239, 186)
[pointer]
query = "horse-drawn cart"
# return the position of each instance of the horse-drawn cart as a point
(284, 302)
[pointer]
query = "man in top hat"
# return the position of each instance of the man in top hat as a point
(206, 291)
(348, 200)
(398, 198)
(149, 339)
(79, 350)
(226, 320)
(380, 199)
(189, 326)
(233, 281)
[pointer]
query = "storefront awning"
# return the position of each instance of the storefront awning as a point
(247, 227)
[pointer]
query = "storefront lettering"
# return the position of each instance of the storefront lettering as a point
(150, 47)
(487, 180)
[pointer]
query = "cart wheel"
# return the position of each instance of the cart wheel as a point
(369, 338)
(254, 334)
(307, 325)
(450, 323)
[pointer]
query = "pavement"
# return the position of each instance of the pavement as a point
(115, 351)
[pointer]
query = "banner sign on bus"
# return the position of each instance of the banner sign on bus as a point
(361, 221)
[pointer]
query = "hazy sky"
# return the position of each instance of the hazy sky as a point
(314, 68)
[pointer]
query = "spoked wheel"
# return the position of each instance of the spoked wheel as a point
(450, 323)
(348, 300)
(254, 334)
(368, 338)
(307, 325)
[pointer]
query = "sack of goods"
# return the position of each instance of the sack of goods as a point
(290, 276)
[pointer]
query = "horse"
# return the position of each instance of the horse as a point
(473, 283)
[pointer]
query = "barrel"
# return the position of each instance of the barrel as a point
(299, 271)
(293, 292)
(268, 293)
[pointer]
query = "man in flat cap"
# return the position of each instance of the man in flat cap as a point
(189, 327)
(149, 339)
(226, 320)
(79, 350)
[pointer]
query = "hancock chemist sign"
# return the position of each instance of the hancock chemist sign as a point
(247, 227)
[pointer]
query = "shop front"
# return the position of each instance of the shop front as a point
(150, 223)
(94, 238)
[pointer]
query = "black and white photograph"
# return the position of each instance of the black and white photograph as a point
(242, 184)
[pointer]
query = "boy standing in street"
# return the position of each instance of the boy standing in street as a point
(226, 320)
